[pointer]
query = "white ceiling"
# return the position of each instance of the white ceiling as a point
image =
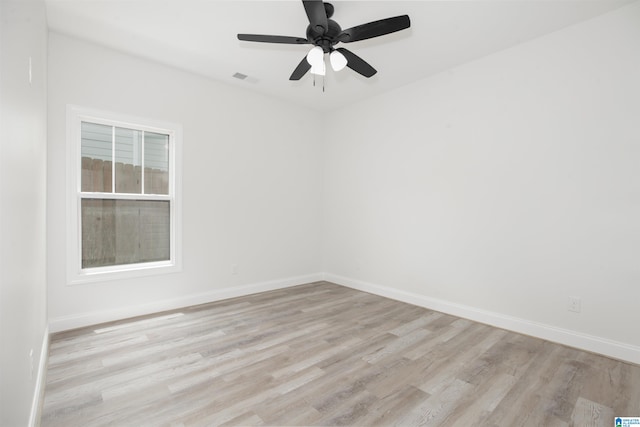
(200, 36)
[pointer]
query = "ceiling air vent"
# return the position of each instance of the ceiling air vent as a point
(240, 76)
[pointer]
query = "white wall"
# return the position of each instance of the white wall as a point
(251, 179)
(501, 187)
(23, 148)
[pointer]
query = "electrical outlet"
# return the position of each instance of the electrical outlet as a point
(234, 269)
(574, 304)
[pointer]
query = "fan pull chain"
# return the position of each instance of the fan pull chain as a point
(323, 82)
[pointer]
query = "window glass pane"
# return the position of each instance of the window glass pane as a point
(156, 163)
(128, 160)
(116, 232)
(96, 151)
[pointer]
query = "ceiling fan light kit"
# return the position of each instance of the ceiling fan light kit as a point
(315, 58)
(338, 61)
(324, 33)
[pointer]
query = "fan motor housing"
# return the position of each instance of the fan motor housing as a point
(324, 39)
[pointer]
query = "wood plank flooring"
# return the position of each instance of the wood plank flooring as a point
(322, 354)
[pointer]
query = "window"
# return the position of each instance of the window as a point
(124, 205)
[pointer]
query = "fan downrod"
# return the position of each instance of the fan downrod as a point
(326, 40)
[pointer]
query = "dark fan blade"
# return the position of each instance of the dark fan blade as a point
(356, 63)
(272, 39)
(375, 29)
(316, 14)
(301, 69)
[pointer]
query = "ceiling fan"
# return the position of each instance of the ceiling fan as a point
(324, 33)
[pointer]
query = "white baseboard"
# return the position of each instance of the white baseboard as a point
(606, 347)
(38, 392)
(93, 318)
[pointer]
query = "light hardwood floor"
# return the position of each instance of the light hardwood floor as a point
(322, 354)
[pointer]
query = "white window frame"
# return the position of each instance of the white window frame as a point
(75, 273)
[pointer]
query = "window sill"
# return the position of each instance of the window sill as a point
(120, 272)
